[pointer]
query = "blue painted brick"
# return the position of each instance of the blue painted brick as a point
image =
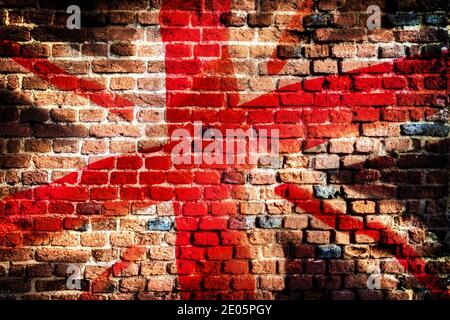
(160, 224)
(241, 223)
(325, 192)
(316, 20)
(250, 222)
(404, 19)
(329, 251)
(435, 19)
(425, 129)
(266, 222)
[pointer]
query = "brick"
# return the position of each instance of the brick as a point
(356, 281)
(272, 283)
(16, 254)
(160, 284)
(370, 191)
(299, 282)
(236, 267)
(123, 49)
(328, 251)
(403, 19)
(392, 206)
(350, 223)
(315, 266)
(159, 224)
(12, 161)
(296, 222)
(367, 236)
(241, 223)
(262, 178)
(15, 285)
(215, 223)
(220, 253)
(76, 224)
(363, 207)
(342, 146)
(231, 19)
(261, 237)
(341, 266)
(344, 50)
(132, 284)
(367, 145)
(109, 66)
(356, 251)
(195, 209)
(233, 177)
(61, 255)
(318, 237)
(337, 35)
(289, 51)
(327, 66)
(47, 224)
(266, 222)
(434, 19)
(326, 162)
(378, 222)
(93, 240)
(381, 162)
(325, 192)
(263, 267)
(316, 51)
(425, 129)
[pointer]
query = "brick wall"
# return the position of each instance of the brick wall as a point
(87, 179)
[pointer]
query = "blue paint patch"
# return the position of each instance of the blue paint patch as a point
(266, 222)
(325, 192)
(241, 223)
(425, 129)
(404, 19)
(329, 251)
(435, 19)
(160, 224)
(316, 20)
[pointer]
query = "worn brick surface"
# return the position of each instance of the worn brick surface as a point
(87, 178)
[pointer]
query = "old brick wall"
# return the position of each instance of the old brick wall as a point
(87, 179)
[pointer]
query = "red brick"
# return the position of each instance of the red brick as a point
(350, 223)
(123, 177)
(161, 193)
(195, 209)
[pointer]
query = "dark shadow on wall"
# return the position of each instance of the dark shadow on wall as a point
(421, 180)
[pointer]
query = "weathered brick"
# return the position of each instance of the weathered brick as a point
(109, 66)
(266, 222)
(325, 192)
(160, 224)
(62, 255)
(328, 251)
(363, 207)
(425, 129)
(318, 237)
